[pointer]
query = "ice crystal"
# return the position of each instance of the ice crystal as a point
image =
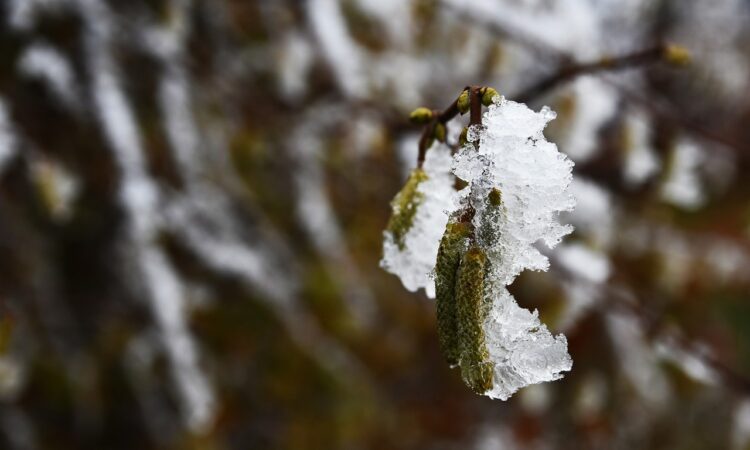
(532, 178)
(410, 252)
(518, 183)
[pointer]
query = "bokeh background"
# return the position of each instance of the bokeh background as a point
(192, 198)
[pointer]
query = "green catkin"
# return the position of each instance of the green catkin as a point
(404, 207)
(446, 268)
(476, 370)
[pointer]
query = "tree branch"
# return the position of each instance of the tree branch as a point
(443, 117)
(570, 71)
(546, 50)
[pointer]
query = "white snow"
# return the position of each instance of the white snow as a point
(294, 59)
(414, 264)
(682, 187)
(595, 213)
(638, 361)
(139, 196)
(342, 54)
(584, 262)
(8, 140)
(641, 161)
(44, 62)
(595, 103)
(533, 179)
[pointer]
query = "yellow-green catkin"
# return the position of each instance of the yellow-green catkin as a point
(476, 370)
(404, 207)
(448, 258)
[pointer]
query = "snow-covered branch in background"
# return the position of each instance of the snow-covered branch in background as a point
(139, 196)
(8, 139)
(53, 68)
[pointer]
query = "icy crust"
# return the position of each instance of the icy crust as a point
(531, 179)
(414, 261)
(521, 348)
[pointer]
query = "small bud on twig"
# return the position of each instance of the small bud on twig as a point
(440, 132)
(488, 95)
(463, 137)
(420, 116)
(463, 102)
(677, 55)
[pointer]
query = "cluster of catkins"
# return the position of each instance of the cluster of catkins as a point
(464, 247)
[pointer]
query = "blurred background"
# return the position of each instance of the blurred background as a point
(193, 193)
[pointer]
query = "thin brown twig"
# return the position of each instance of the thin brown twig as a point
(570, 71)
(475, 106)
(546, 50)
(443, 117)
(668, 115)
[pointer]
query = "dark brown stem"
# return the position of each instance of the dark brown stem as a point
(570, 71)
(475, 118)
(425, 139)
(475, 110)
(437, 117)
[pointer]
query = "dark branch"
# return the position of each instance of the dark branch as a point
(571, 71)
(546, 50)
(429, 129)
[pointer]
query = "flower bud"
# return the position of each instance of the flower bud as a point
(677, 55)
(420, 116)
(463, 103)
(440, 132)
(488, 96)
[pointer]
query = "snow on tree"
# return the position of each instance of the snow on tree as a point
(516, 184)
(420, 212)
